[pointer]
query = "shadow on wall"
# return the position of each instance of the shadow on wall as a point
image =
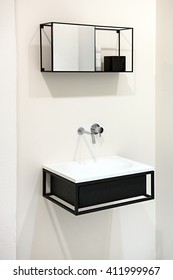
(84, 84)
(83, 237)
(49, 232)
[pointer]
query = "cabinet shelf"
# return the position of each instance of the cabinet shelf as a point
(83, 48)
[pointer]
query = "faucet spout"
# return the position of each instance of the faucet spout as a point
(81, 131)
(93, 138)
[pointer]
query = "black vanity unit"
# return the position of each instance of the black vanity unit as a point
(85, 196)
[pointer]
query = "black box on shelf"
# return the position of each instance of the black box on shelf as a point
(114, 63)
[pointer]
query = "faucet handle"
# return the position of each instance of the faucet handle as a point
(96, 129)
(100, 131)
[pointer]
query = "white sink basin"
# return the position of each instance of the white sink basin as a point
(100, 168)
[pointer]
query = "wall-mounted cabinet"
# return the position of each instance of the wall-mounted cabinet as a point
(92, 185)
(87, 197)
(69, 47)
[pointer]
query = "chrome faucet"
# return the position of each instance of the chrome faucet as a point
(95, 129)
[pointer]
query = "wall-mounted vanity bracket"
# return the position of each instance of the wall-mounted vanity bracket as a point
(92, 196)
(71, 47)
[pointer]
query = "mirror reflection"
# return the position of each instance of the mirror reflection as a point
(73, 48)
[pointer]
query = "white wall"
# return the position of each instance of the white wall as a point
(7, 130)
(164, 135)
(51, 107)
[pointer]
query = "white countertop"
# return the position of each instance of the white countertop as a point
(96, 169)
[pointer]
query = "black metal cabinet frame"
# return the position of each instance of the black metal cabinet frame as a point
(86, 197)
(46, 31)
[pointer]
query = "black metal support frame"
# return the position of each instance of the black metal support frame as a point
(96, 27)
(87, 197)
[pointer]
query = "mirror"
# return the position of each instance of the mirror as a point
(73, 47)
(68, 47)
